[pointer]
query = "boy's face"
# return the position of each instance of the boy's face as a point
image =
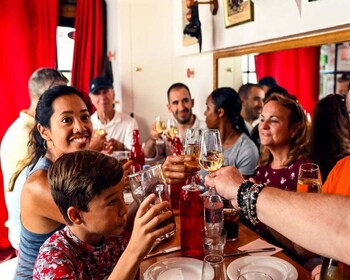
(107, 213)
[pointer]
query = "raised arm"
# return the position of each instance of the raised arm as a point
(317, 222)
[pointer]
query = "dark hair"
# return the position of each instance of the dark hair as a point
(43, 113)
(244, 90)
(268, 81)
(228, 99)
(297, 119)
(178, 86)
(76, 178)
(329, 135)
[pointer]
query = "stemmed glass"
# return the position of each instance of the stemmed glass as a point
(160, 125)
(171, 128)
(213, 268)
(192, 148)
(309, 178)
(211, 156)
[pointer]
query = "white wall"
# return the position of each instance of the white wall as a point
(158, 49)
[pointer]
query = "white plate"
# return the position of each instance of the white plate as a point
(277, 268)
(174, 269)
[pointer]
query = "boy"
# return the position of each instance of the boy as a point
(87, 187)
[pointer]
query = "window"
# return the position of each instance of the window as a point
(248, 69)
(65, 50)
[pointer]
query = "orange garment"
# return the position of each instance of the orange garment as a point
(338, 180)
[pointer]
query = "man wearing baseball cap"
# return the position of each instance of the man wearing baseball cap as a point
(116, 126)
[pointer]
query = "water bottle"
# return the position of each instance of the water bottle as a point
(213, 213)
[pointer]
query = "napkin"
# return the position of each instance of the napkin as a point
(258, 244)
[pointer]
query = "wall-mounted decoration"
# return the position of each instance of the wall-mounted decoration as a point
(238, 11)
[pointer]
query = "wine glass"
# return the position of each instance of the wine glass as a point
(211, 155)
(213, 268)
(160, 125)
(309, 178)
(192, 148)
(171, 128)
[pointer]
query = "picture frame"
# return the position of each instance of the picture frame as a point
(238, 12)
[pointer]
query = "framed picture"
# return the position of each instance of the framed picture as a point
(238, 11)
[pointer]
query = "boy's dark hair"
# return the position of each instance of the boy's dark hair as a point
(76, 178)
(178, 86)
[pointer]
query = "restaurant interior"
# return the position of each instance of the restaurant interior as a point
(142, 47)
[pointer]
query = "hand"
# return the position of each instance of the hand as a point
(226, 180)
(113, 145)
(176, 171)
(127, 171)
(98, 141)
(144, 233)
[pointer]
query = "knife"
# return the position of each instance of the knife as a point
(238, 253)
(162, 252)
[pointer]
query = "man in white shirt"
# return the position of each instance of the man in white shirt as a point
(252, 96)
(116, 126)
(14, 145)
(180, 104)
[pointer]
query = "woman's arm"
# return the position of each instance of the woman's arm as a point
(39, 212)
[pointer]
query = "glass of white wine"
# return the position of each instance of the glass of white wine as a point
(171, 128)
(211, 156)
(160, 125)
(192, 147)
(309, 178)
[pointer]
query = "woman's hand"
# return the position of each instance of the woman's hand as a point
(176, 170)
(147, 218)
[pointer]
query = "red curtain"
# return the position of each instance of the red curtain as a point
(28, 32)
(297, 70)
(89, 40)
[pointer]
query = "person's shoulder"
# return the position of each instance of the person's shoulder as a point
(343, 163)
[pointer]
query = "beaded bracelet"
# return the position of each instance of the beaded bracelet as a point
(247, 196)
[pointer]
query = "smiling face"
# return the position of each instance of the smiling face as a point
(70, 126)
(274, 128)
(211, 116)
(254, 103)
(107, 213)
(180, 105)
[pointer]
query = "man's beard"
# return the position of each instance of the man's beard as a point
(186, 119)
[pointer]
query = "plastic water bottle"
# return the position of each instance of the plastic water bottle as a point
(213, 213)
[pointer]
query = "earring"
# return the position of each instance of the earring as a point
(44, 144)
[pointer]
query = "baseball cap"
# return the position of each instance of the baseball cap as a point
(100, 83)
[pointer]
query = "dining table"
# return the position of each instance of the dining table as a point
(245, 236)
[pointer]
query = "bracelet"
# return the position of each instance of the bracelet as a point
(247, 196)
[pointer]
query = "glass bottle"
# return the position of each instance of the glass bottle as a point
(213, 212)
(136, 154)
(334, 270)
(192, 222)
